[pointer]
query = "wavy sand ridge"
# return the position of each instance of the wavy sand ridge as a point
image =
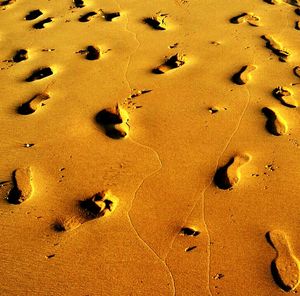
(285, 267)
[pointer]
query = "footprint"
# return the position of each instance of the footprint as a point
(229, 175)
(157, 22)
(242, 77)
(41, 24)
(173, 62)
(87, 17)
(7, 2)
(291, 2)
(109, 16)
(20, 55)
(276, 48)
(189, 231)
(40, 74)
(33, 104)
(67, 224)
(93, 53)
(114, 121)
(250, 18)
(101, 204)
(285, 267)
(273, 2)
(284, 95)
(296, 71)
(275, 124)
(79, 3)
(22, 186)
(32, 15)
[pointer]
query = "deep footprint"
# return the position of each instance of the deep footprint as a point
(7, 2)
(109, 16)
(79, 3)
(33, 104)
(93, 53)
(175, 61)
(101, 204)
(189, 231)
(157, 22)
(22, 186)
(284, 95)
(275, 124)
(87, 17)
(20, 55)
(114, 121)
(67, 224)
(250, 18)
(229, 175)
(40, 74)
(32, 15)
(41, 25)
(291, 2)
(296, 71)
(243, 76)
(285, 267)
(276, 48)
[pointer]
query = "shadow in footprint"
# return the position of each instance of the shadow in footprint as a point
(33, 104)
(173, 62)
(221, 177)
(93, 53)
(40, 74)
(114, 122)
(20, 55)
(79, 3)
(157, 22)
(109, 16)
(7, 2)
(22, 187)
(87, 17)
(285, 267)
(32, 15)
(274, 125)
(41, 24)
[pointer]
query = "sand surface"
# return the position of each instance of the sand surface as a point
(149, 147)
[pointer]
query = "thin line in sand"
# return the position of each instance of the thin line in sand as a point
(151, 174)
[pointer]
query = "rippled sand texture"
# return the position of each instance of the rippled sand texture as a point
(149, 148)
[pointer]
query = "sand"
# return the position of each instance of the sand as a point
(149, 148)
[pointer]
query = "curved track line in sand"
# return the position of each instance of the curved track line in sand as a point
(166, 267)
(203, 192)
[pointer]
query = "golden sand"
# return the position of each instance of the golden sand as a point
(149, 147)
